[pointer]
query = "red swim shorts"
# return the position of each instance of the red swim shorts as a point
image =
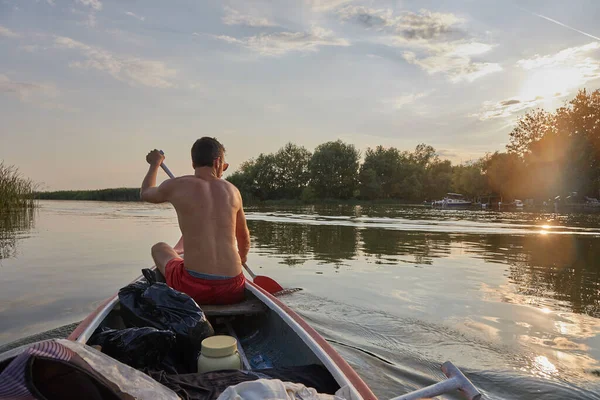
(204, 291)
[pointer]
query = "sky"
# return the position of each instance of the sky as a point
(88, 87)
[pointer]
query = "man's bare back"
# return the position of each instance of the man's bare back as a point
(211, 217)
(210, 213)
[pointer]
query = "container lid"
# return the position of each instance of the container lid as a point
(219, 346)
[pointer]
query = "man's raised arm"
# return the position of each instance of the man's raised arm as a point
(149, 191)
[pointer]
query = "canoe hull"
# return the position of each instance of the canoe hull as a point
(319, 348)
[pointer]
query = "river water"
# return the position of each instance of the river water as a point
(513, 299)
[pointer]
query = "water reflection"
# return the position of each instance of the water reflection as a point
(13, 225)
(558, 270)
(295, 243)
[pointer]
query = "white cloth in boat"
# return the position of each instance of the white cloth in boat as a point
(274, 389)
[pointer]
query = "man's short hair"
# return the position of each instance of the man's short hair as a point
(205, 150)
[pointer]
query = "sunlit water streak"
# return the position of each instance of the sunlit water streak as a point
(396, 290)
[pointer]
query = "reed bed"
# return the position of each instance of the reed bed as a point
(16, 191)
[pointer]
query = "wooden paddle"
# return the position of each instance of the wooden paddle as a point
(268, 284)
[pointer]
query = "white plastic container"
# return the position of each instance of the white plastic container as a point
(218, 353)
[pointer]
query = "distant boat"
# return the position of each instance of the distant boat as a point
(518, 203)
(452, 200)
(515, 204)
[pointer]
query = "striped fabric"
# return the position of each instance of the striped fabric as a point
(12, 380)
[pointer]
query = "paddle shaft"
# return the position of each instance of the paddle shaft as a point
(249, 271)
(165, 168)
(456, 381)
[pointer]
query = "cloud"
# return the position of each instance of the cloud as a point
(408, 25)
(550, 77)
(30, 48)
(234, 17)
(51, 2)
(138, 17)
(25, 90)
(435, 42)
(458, 67)
(5, 32)
(40, 94)
(133, 70)
(561, 72)
(94, 4)
(569, 56)
(89, 17)
(505, 108)
(280, 43)
(325, 5)
(401, 101)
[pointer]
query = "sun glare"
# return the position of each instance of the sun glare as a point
(547, 83)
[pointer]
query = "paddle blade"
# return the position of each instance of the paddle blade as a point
(267, 284)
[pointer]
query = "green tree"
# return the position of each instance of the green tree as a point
(378, 173)
(244, 180)
(469, 180)
(530, 128)
(333, 170)
(438, 179)
(561, 151)
(292, 175)
(504, 173)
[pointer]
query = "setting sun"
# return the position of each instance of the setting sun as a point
(549, 83)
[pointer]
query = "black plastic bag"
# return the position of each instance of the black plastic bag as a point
(154, 304)
(136, 347)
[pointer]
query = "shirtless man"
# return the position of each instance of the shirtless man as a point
(211, 219)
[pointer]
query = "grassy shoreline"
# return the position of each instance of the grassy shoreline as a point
(16, 191)
(133, 195)
(113, 194)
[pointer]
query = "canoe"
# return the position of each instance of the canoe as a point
(277, 330)
(263, 325)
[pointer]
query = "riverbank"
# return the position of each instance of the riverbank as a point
(115, 194)
(133, 194)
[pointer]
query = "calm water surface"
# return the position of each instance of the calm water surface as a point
(513, 299)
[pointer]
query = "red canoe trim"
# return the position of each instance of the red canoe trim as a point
(348, 371)
(84, 324)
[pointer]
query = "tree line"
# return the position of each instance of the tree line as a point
(548, 154)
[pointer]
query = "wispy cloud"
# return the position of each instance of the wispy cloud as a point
(42, 95)
(5, 32)
(234, 17)
(570, 56)
(551, 77)
(454, 61)
(89, 17)
(90, 14)
(435, 42)
(407, 99)
(505, 108)
(411, 26)
(24, 90)
(280, 43)
(561, 72)
(133, 15)
(94, 4)
(51, 2)
(325, 5)
(133, 70)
